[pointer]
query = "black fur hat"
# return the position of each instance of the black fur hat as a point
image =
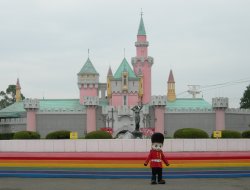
(157, 138)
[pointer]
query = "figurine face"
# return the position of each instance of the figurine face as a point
(157, 146)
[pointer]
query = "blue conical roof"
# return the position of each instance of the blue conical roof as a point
(88, 68)
(124, 67)
(141, 30)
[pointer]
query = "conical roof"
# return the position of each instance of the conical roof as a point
(88, 68)
(141, 30)
(124, 67)
(110, 72)
(18, 84)
(171, 77)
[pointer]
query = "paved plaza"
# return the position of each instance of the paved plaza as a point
(122, 184)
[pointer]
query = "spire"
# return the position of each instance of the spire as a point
(110, 72)
(171, 96)
(141, 30)
(18, 91)
(171, 77)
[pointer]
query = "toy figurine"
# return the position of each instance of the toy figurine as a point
(156, 157)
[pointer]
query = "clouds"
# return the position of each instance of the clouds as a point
(45, 43)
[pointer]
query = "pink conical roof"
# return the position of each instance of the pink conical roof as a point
(110, 72)
(18, 84)
(171, 77)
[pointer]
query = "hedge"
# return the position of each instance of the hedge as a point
(190, 133)
(26, 135)
(98, 135)
(6, 136)
(246, 134)
(58, 135)
(228, 134)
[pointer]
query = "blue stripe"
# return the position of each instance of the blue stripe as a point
(127, 175)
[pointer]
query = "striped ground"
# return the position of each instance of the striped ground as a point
(123, 165)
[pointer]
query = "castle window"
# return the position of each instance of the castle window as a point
(124, 100)
(124, 80)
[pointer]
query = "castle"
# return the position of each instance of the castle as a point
(107, 106)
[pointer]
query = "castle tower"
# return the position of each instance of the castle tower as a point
(143, 62)
(31, 106)
(124, 86)
(220, 105)
(171, 96)
(88, 80)
(18, 91)
(109, 78)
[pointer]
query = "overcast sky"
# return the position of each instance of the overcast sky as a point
(205, 42)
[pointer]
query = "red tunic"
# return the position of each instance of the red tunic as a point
(156, 157)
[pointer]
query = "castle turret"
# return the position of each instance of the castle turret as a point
(109, 78)
(143, 62)
(18, 91)
(171, 96)
(88, 80)
(31, 106)
(220, 104)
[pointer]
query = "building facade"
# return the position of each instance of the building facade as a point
(108, 106)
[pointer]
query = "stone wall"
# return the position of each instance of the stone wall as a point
(47, 123)
(175, 121)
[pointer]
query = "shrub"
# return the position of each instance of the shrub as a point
(246, 134)
(228, 134)
(98, 135)
(26, 135)
(58, 135)
(190, 133)
(6, 136)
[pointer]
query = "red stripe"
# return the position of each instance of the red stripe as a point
(121, 155)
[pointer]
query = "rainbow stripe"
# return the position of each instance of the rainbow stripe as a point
(123, 165)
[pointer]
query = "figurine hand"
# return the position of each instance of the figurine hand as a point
(145, 164)
(167, 164)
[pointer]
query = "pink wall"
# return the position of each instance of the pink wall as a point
(116, 100)
(87, 92)
(91, 119)
(31, 120)
(142, 51)
(141, 38)
(146, 84)
(133, 99)
(220, 119)
(159, 122)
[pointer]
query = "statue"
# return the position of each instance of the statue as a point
(136, 110)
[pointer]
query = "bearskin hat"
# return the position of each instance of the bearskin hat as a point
(157, 138)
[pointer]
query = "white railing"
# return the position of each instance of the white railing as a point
(13, 121)
(123, 145)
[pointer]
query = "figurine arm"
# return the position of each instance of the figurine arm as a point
(164, 159)
(148, 159)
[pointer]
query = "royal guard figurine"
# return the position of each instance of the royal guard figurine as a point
(156, 157)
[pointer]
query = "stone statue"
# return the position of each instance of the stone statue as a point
(136, 110)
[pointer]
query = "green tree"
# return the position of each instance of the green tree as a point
(245, 100)
(8, 97)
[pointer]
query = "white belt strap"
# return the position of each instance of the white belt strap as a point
(156, 160)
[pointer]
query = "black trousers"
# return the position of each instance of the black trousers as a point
(158, 172)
